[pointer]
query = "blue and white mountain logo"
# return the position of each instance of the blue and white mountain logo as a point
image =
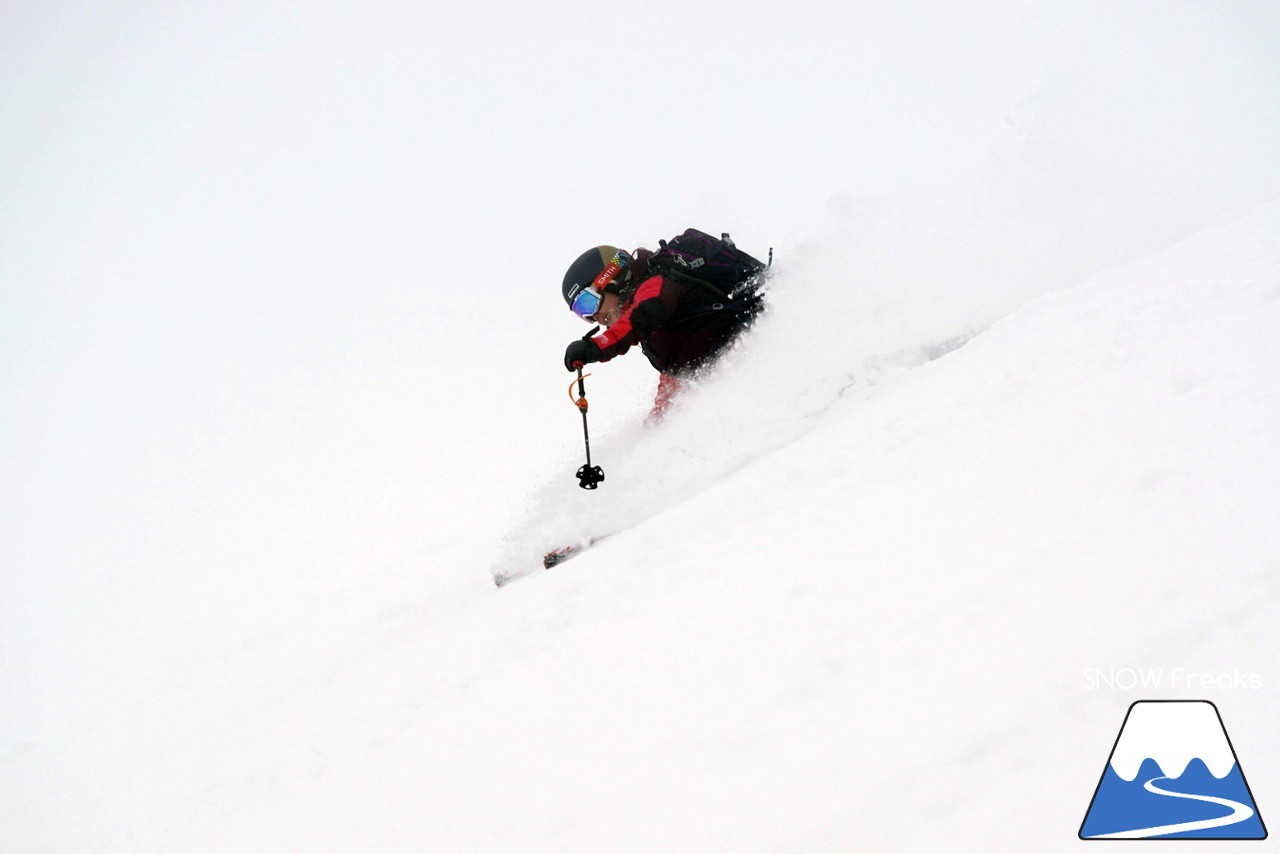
(1173, 774)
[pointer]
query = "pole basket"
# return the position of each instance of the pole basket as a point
(589, 477)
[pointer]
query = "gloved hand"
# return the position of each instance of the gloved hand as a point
(579, 353)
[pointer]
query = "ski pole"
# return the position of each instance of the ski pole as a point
(589, 476)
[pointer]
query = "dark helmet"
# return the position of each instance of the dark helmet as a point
(591, 268)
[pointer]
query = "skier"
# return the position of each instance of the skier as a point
(680, 322)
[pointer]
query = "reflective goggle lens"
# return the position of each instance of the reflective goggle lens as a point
(587, 303)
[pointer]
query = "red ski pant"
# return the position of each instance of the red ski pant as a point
(668, 388)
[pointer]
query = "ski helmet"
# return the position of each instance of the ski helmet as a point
(591, 274)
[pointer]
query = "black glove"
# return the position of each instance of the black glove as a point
(579, 353)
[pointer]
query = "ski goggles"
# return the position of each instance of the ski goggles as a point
(587, 303)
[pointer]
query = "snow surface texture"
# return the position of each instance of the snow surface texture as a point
(281, 392)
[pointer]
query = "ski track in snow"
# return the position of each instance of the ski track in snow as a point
(537, 535)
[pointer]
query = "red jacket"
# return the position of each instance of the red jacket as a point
(679, 325)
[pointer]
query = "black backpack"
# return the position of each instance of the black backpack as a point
(696, 256)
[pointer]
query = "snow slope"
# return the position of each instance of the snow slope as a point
(869, 632)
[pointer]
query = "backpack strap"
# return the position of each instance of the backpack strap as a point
(720, 245)
(740, 304)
